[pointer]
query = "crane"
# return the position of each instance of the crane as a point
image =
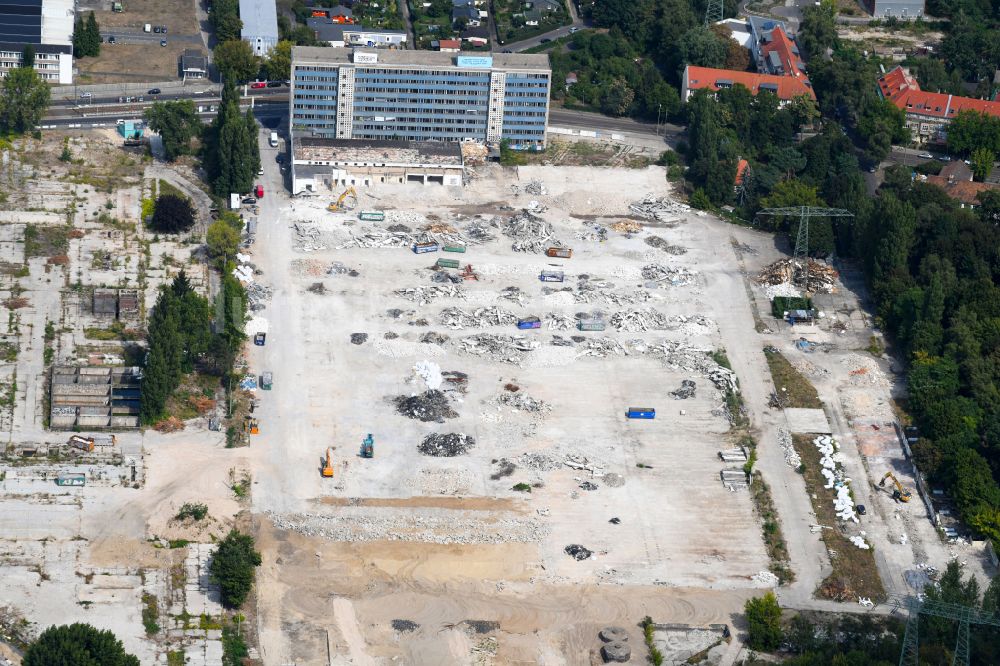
(900, 494)
(338, 205)
(328, 464)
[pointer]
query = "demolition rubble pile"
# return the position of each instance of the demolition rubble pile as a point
(307, 237)
(504, 348)
(662, 244)
(529, 233)
(594, 289)
(457, 319)
(631, 321)
(685, 391)
(482, 230)
(663, 275)
(522, 402)
(626, 227)
(431, 405)
(446, 445)
(663, 209)
(788, 449)
(424, 295)
(559, 322)
(257, 296)
(365, 523)
(822, 278)
(836, 479)
(532, 187)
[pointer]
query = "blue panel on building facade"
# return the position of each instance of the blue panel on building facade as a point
(474, 61)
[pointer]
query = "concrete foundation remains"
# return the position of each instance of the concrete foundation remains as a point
(95, 397)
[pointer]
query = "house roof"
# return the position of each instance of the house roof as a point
(785, 87)
(479, 32)
(194, 59)
(782, 54)
(449, 43)
(956, 170)
(330, 12)
(550, 4)
(462, 3)
(465, 11)
(260, 19)
(904, 91)
(962, 190)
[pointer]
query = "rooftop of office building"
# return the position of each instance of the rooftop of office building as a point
(375, 152)
(319, 54)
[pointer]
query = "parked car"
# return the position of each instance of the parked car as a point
(111, 39)
(862, 510)
(258, 84)
(250, 201)
(156, 29)
(573, 29)
(545, 40)
(163, 29)
(274, 84)
(153, 91)
(944, 158)
(259, 339)
(926, 156)
(163, 42)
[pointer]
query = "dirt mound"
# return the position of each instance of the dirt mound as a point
(431, 405)
(447, 445)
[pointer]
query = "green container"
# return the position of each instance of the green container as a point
(454, 248)
(447, 263)
(372, 215)
(590, 325)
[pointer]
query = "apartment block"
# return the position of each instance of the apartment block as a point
(420, 96)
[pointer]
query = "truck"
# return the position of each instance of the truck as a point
(641, 413)
(273, 140)
(559, 252)
(234, 201)
(266, 380)
(529, 323)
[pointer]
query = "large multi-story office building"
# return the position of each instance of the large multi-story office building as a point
(47, 25)
(420, 96)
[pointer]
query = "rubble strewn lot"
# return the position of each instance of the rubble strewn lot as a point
(523, 445)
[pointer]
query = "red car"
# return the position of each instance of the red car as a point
(259, 84)
(259, 191)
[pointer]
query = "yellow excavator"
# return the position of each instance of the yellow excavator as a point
(328, 465)
(900, 494)
(341, 203)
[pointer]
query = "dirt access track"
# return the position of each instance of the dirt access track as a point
(435, 543)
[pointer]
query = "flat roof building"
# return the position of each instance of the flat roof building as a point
(260, 25)
(346, 34)
(45, 24)
(905, 10)
(335, 163)
(420, 96)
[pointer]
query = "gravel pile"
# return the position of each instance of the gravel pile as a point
(578, 552)
(358, 338)
(446, 445)
(686, 390)
(431, 405)
(405, 625)
(662, 244)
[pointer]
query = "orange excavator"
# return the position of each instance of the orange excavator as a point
(328, 465)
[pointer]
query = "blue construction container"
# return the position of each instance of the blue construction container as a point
(421, 248)
(641, 413)
(529, 322)
(551, 276)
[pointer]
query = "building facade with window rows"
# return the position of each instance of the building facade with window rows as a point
(420, 96)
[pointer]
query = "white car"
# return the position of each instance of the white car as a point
(926, 156)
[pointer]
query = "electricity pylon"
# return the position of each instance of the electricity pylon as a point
(714, 11)
(804, 213)
(964, 615)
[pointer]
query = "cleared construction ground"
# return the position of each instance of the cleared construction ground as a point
(498, 451)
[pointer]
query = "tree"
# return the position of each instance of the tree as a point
(24, 99)
(173, 214)
(278, 66)
(970, 130)
(28, 56)
(93, 32)
(764, 620)
(225, 18)
(223, 238)
(703, 48)
(232, 567)
(77, 645)
(982, 163)
(176, 122)
(617, 98)
(819, 29)
(989, 206)
(254, 145)
(236, 61)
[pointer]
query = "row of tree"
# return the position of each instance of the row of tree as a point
(230, 151)
(86, 37)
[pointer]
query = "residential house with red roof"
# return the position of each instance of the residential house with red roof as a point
(786, 88)
(928, 113)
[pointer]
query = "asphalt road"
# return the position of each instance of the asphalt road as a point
(606, 124)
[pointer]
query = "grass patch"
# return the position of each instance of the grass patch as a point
(150, 614)
(239, 484)
(178, 543)
(875, 346)
(234, 648)
(46, 240)
(194, 510)
(854, 571)
(792, 388)
(163, 188)
(208, 623)
(175, 658)
(655, 656)
(116, 331)
(774, 539)
(521, 487)
(8, 351)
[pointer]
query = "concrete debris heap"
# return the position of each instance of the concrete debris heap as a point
(791, 455)
(457, 319)
(631, 321)
(482, 230)
(578, 552)
(529, 232)
(822, 277)
(424, 295)
(505, 348)
(446, 445)
(663, 209)
(533, 187)
(257, 296)
(431, 405)
(522, 402)
(559, 322)
(685, 391)
(663, 275)
(307, 237)
(662, 244)
(626, 227)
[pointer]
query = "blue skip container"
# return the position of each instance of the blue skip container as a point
(641, 413)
